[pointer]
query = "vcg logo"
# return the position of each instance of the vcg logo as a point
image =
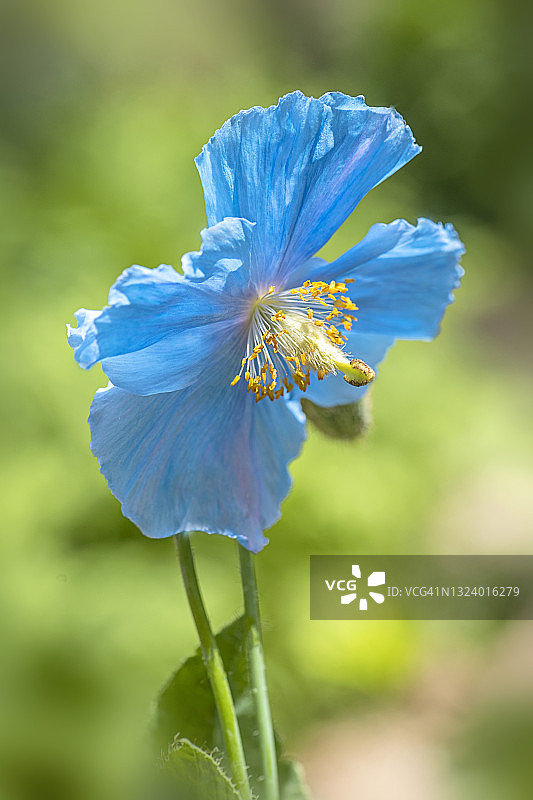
(350, 591)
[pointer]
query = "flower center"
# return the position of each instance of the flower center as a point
(295, 332)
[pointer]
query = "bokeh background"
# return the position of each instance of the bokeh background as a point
(103, 107)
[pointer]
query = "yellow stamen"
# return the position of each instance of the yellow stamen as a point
(308, 342)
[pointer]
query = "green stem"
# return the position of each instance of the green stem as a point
(256, 662)
(215, 668)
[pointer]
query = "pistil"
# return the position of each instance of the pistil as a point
(298, 331)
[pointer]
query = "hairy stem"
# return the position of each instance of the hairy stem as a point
(215, 668)
(254, 646)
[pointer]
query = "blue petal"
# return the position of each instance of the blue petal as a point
(298, 169)
(404, 278)
(226, 247)
(162, 330)
(204, 458)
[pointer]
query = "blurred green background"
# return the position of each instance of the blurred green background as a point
(104, 106)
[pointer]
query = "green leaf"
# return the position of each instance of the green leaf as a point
(291, 780)
(196, 774)
(186, 707)
(340, 422)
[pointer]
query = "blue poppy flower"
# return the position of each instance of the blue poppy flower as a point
(202, 416)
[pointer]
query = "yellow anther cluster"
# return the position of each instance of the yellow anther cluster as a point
(265, 384)
(301, 379)
(284, 329)
(337, 304)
